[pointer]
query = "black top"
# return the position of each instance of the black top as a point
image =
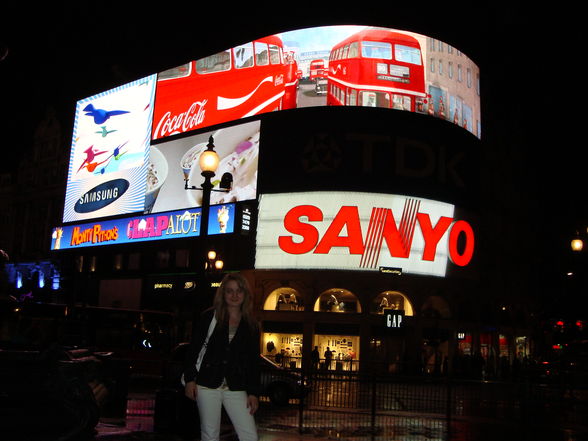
(238, 361)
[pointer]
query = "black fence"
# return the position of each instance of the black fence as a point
(343, 405)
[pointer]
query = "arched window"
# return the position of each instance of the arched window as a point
(391, 300)
(283, 299)
(337, 300)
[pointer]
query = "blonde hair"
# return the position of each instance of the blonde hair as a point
(220, 305)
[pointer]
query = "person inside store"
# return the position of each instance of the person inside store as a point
(328, 358)
(315, 358)
(222, 366)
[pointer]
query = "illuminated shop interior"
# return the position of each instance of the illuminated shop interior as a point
(283, 348)
(392, 300)
(284, 299)
(337, 300)
(344, 348)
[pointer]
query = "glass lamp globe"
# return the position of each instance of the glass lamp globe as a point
(209, 161)
(577, 245)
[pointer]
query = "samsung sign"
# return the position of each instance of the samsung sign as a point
(361, 231)
(101, 196)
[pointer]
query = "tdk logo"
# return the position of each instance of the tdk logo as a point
(101, 196)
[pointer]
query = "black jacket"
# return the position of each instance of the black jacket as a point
(238, 361)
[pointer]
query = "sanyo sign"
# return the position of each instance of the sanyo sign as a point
(361, 231)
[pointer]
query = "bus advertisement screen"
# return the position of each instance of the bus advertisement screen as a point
(323, 66)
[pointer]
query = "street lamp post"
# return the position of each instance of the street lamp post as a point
(209, 161)
(208, 164)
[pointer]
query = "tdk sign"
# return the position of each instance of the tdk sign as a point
(394, 319)
(101, 196)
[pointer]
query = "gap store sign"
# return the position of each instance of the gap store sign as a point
(361, 231)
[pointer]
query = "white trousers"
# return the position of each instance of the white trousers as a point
(210, 402)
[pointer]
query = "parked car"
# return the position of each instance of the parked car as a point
(280, 384)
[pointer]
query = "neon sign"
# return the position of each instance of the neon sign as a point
(361, 231)
(170, 225)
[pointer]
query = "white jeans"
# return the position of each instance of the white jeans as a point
(235, 403)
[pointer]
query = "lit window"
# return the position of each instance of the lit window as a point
(337, 300)
(283, 299)
(391, 300)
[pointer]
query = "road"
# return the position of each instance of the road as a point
(307, 96)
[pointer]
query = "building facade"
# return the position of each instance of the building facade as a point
(408, 313)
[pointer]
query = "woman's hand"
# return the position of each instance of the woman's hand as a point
(252, 404)
(191, 390)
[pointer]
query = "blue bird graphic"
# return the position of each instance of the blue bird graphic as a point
(100, 115)
(105, 132)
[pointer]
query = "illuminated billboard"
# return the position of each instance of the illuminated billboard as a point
(109, 157)
(170, 225)
(177, 162)
(361, 231)
(158, 179)
(134, 148)
(322, 66)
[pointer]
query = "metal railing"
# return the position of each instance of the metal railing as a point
(348, 404)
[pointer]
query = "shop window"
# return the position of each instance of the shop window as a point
(337, 300)
(344, 352)
(464, 343)
(285, 349)
(391, 300)
(485, 345)
(522, 347)
(284, 299)
(503, 348)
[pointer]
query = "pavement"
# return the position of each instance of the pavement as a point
(141, 429)
(138, 426)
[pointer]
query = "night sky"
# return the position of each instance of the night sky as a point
(532, 93)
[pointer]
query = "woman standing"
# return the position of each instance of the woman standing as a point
(229, 373)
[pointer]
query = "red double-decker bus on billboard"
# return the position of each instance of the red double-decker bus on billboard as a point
(318, 69)
(318, 75)
(377, 68)
(236, 83)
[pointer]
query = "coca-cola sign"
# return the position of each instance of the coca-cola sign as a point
(361, 231)
(173, 123)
